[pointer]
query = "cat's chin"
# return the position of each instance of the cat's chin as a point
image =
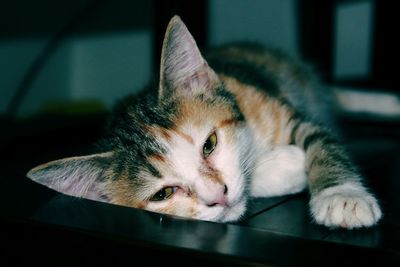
(233, 213)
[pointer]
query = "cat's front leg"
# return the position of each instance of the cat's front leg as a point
(338, 198)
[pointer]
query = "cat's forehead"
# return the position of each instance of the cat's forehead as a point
(202, 114)
(192, 121)
(148, 129)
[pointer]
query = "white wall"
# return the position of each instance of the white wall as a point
(270, 22)
(353, 39)
(15, 58)
(108, 55)
(51, 83)
(102, 67)
(110, 66)
(107, 65)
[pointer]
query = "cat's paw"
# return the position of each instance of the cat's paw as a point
(346, 206)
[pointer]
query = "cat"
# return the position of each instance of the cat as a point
(244, 121)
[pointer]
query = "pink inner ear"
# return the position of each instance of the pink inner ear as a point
(182, 63)
(92, 193)
(199, 79)
(83, 185)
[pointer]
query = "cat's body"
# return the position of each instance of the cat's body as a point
(213, 134)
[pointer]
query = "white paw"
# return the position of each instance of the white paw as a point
(347, 206)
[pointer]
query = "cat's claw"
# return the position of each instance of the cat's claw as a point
(346, 206)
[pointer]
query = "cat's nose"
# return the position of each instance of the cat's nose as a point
(221, 199)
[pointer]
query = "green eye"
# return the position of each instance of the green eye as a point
(164, 193)
(210, 144)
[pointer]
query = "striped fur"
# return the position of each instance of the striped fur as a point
(266, 112)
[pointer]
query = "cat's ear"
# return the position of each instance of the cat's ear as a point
(76, 176)
(183, 69)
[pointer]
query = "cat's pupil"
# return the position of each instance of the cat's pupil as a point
(161, 194)
(208, 145)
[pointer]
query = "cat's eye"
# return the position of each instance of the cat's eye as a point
(210, 144)
(164, 193)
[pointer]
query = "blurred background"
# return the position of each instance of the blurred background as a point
(63, 64)
(71, 56)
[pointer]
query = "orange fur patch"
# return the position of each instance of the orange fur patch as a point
(158, 157)
(187, 137)
(141, 205)
(227, 122)
(188, 209)
(266, 116)
(170, 209)
(212, 174)
(122, 193)
(276, 115)
(199, 113)
(165, 134)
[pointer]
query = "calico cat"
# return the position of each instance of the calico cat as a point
(245, 123)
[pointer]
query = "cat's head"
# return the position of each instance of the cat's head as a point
(183, 152)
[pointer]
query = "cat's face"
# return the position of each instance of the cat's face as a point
(184, 153)
(198, 170)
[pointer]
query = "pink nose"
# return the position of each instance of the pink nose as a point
(221, 200)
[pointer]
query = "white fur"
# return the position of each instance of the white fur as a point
(279, 171)
(235, 162)
(348, 205)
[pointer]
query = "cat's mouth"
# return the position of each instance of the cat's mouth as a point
(230, 212)
(233, 214)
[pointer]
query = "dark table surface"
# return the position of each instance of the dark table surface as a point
(45, 227)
